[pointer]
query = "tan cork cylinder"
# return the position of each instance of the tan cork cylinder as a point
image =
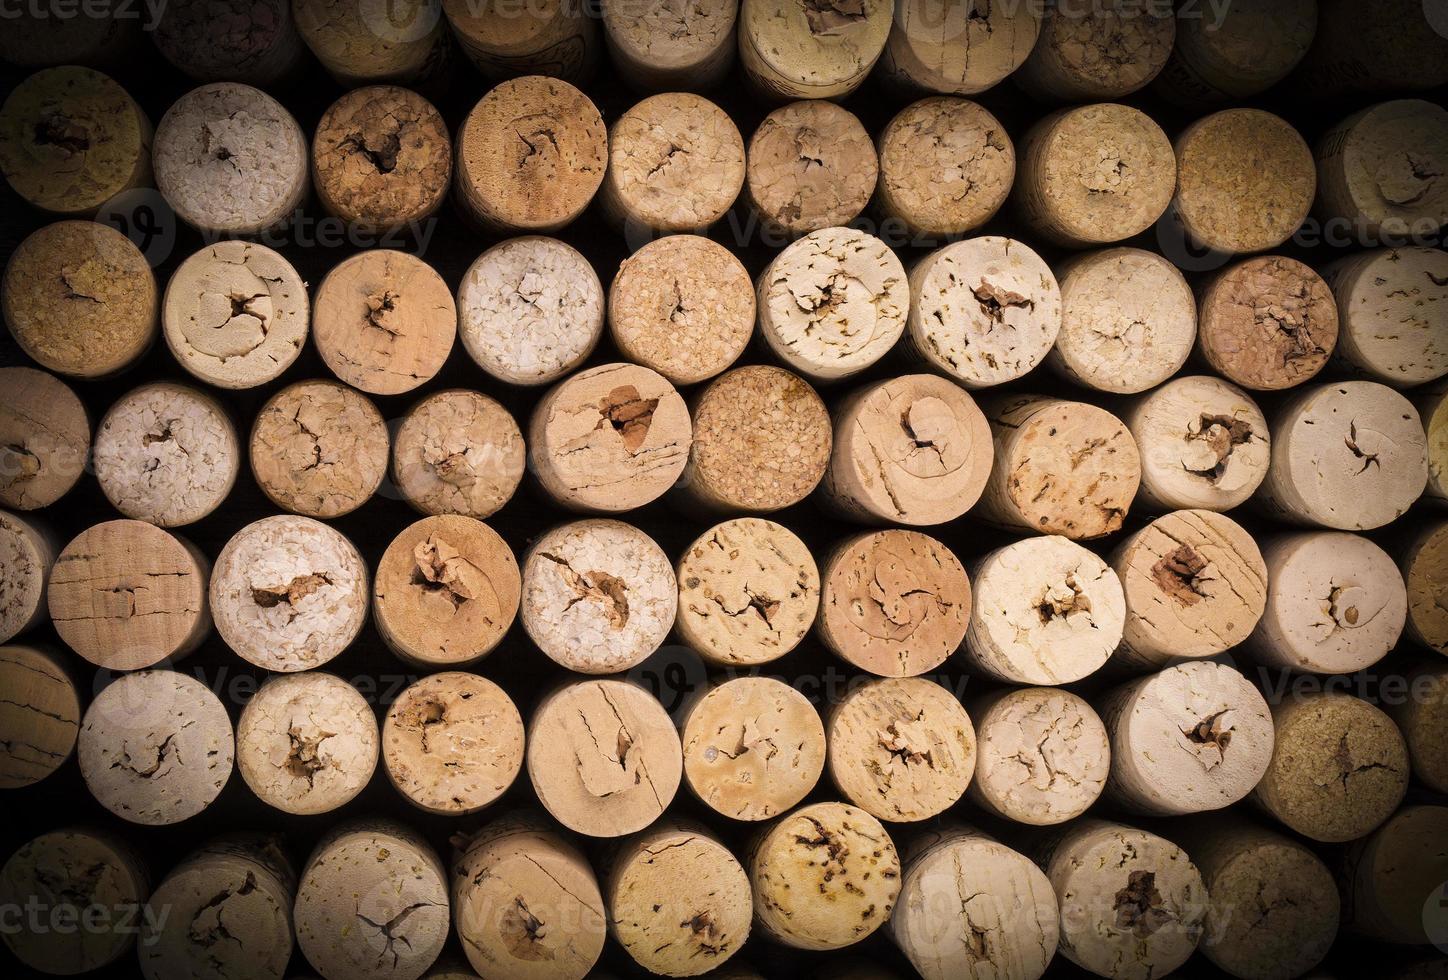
(1246, 49)
(126, 595)
(445, 592)
(811, 166)
(530, 310)
(609, 439)
(1422, 717)
(27, 554)
(166, 454)
(673, 45)
(319, 449)
(894, 603)
(452, 743)
(1393, 879)
(45, 438)
(1432, 408)
(231, 160)
(458, 452)
(1195, 586)
(1097, 52)
(1378, 171)
(1400, 48)
(958, 48)
(1392, 304)
(235, 314)
(1047, 611)
(983, 311)
(1042, 755)
(237, 40)
(71, 139)
(1204, 444)
(754, 747)
(530, 155)
(40, 718)
(682, 306)
(825, 876)
(80, 299)
(362, 44)
(1350, 455)
(797, 49)
(603, 757)
(1339, 769)
(1128, 321)
(289, 593)
(1425, 573)
(749, 591)
(551, 37)
(306, 743)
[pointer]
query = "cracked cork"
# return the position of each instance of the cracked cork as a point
(811, 166)
(408, 44)
(1424, 568)
(1254, 45)
(319, 449)
(1383, 172)
(811, 49)
(458, 452)
(958, 49)
(27, 555)
(672, 45)
(1392, 304)
(39, 717)
(556, 37)
(1391, 880)
(45, 438)
(251, 41)
(1099, 52)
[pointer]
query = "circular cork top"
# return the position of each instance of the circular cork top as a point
(243, 40)
(45, 438)
(1392, 305)
(811, 166)
(499, 36)
(1391, 165)
(796, 48)
(1433, 409)
(959, 49)
(40, 718)
(319, 448)
(1268, 323)
(1423, 719)
(672, 36)
(27, 552)
(1425, 573)
(1098, 51)
(458, 452)
(360, 43)
(1042, 756)
(80, 299)
(1394, 878)
(895, 603)
(683, 306)
(1253, 47)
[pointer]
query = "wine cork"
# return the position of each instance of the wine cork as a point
(901, 749)
(761, 442)
(671, 46)
(452, 743)
(530, 155)
(231, 160)
(236, 41)
(27, 555)
(40, 718)
(1402, 47)
(45, 438)
(1350, 456)
(126, 595)
(289, 593)
(1061, 467)
(1432, 407)
(811, 166)
(1336, 604)
(319, 449)
(825, 877)
(603, 757)
(458, 452)
(80, 299)
(972, 908)
(235, 314)
(1242, 51)
(609, 439)
(1425, 574)
(1097, 52)
(682, 306)
(958, 49)
(362, 44)
(41, 36)
(1042, 755)
(1391, 304)
(307, 743)
(384, 321)
(983, 311)
(155, 747)
(166, 454)
(599, 596)
(794, 49)
(1047, 611)
(446, 591)
(894, 603)
(1339, 769)
(71, 139)
(1128, 321)
(1378, 171)
(1245, 181)
(678, 901)
(1422, 717)
(382, 158)
(1393, 880)
(552, 37)
(1204, 444)
(530, 310)
(1195, 586)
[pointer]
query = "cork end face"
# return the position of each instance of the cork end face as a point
(41, 717)
(45, 438)
(801, 49)
(1302, 912)
(960, 50)
(458, 452)
(1425, 573)
(1268, 323)
(811, 166)
(1043, 756)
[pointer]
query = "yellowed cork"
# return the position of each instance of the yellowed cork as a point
(1098, 52)
(811, 166)
(797, 49)
(958, 49)
(45, 438)
(1423, 719)
(362, 44)
(551, 37)
(1424, 568)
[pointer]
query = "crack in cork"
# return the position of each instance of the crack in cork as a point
(608, 590)
(1180, 575)
(209, 933)
(1212, 731)
(1216, 436)
(1139, 909)
(630, 414)
(828, 17)
(441, 569)
(386, 931)
(58, 129)
(291, 593)
(1062, 600)
(995, 301)
(523, 932)
(304, 755)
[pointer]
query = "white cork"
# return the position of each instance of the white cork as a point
(45, 438)
(549, 37)
(958, 49)
(458, 452)
(1242, 51)
(27, 554)
(1392, 880)
(671, 45)
(1392, 304)
(1422, 717)
(1424, 566)
(797, 49)
(361, 44)
(319, 448)
(40, 716)
(1380, 170)
(811, 166)
(1097, 52)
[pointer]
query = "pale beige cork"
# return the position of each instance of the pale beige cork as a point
(45, 438)
(530, 155)
(1350, 455)
(364, 44)
(166, 454)
(811, 166)
(235, 314)
(609, 439)
(1267, 323)
(40, 716)
(1379, 171)
(1203, 443)
(1046, 611)
(319, 448)
(530, 310)
(958, 48)
(983, 311)
(1098, 51)
(1246, 49)
(1402, 47)
(1424, 568)
(800, 49)
(289, 593)
(458, 452)
(445, 592)
(894, 603)
(27, 555)
(678, 901)
(1392, 306)
(126, 595)
(1432, 406)
(603, 757)
(671, 45)
(452, 743)
(825, 876)
(1339, 768)
(1245, 181)
(599, 596)
(1422, 717)
(251, 41)
(548, 37)
(754, 747)
(1195, 586)
(71, 139)
(1393, 880)
(80, 299)
(683, 306)
(307, 743)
